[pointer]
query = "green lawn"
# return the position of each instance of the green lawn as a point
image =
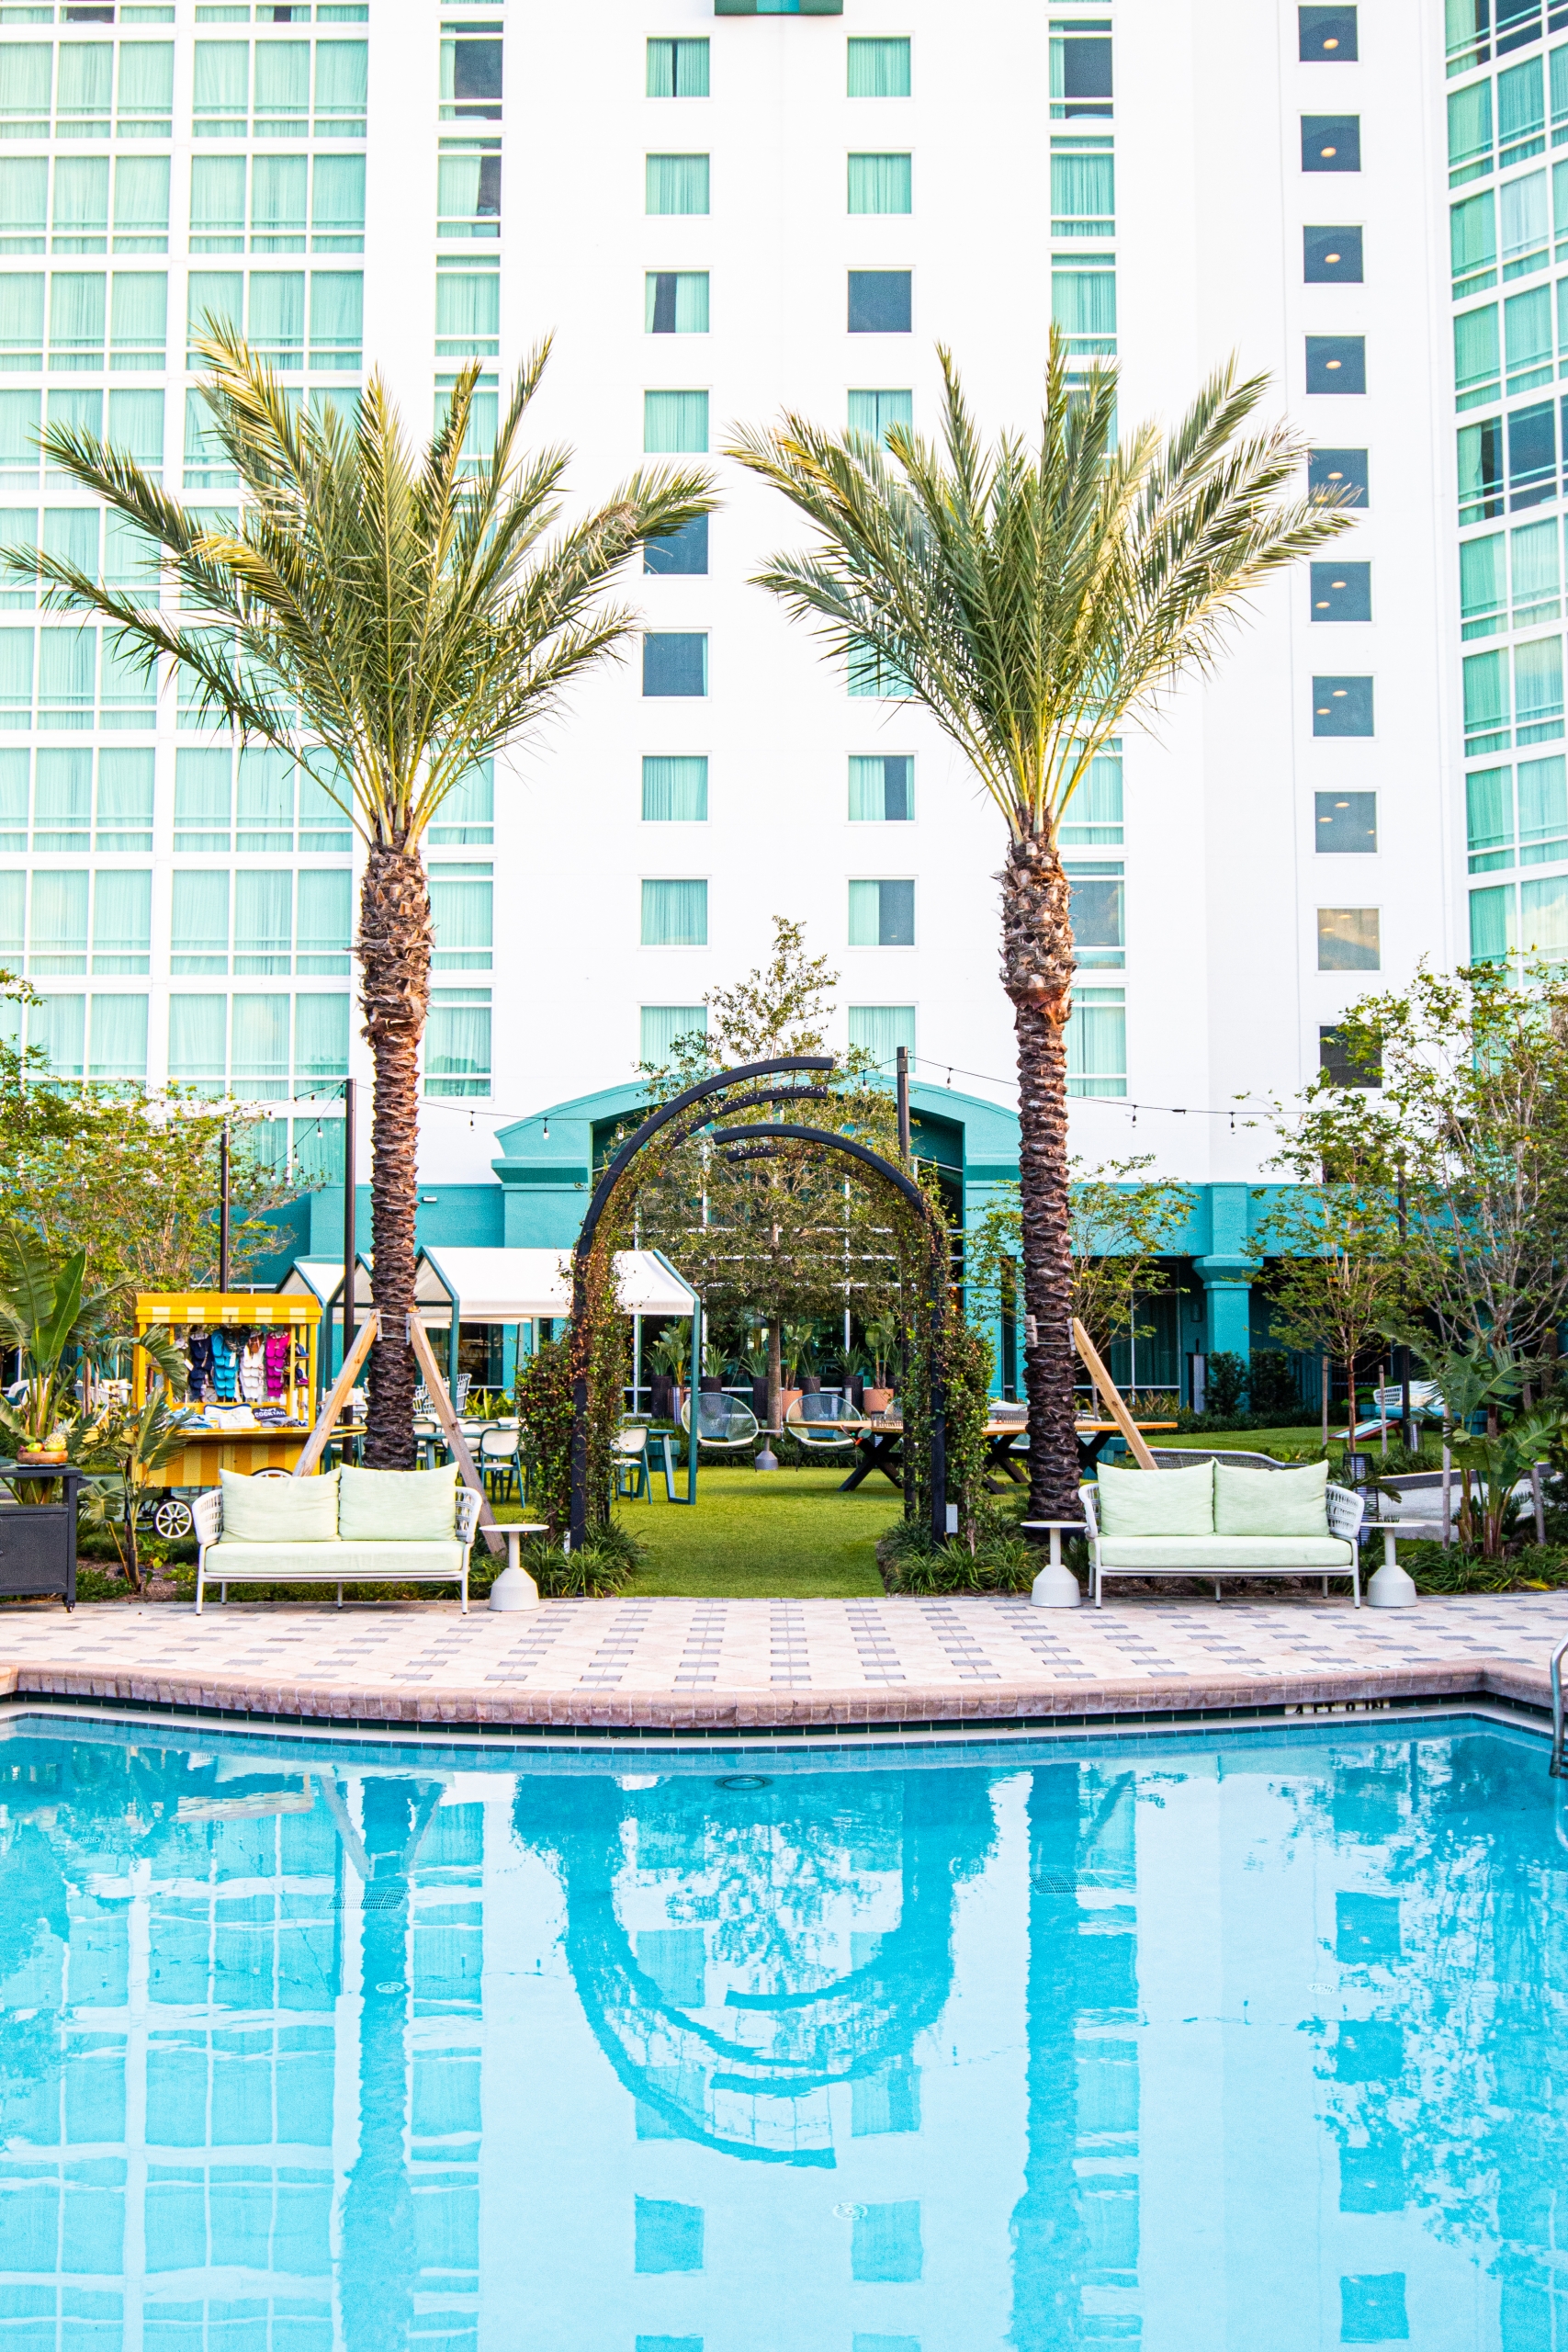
(772, 1535)
(1286, 1444)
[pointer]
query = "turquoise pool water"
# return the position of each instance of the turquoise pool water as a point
(1253, 2041)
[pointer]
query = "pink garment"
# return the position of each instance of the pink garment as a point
(276, 1363)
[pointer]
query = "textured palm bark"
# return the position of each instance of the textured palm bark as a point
(1037, 973)
(394, 950)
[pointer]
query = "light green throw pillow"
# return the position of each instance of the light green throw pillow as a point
(1272, 1502)
(398, 1506)
(280, 1510)
(1157, 1502)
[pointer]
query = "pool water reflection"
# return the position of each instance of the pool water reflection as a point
(1239, 2041)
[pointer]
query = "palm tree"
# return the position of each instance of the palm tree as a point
(388, 619)
(1034, 601)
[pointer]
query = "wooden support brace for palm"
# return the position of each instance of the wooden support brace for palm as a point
(424, 1355)
(337, 1397)
(1110, 1397)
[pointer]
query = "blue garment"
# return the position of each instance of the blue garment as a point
(225, 1366)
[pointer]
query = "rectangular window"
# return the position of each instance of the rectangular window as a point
(1525, 225)
(258, 1047)
(674, 422)
(26, 89)
(677, 69)
(470, 73)
(1535, 564)
(881, 301)
(139, 321)
(466, 817)
(1482, 586)
(659, 1026)
(1080, 69)
(80, 217)
(1340, 474)
(1342, 705)
(878, 1030)
(1532, 455)
(879, 68)
(676, 183)
(216, 204)
(873, 679)
(198, 1041)
(880, 184)
(337, 320)
(279, 191)
(1333, 257)
(1336, 363)
(1327, 36)
(337, 204)
(675, 790)
(1487, 703)
(62, 800)
(1093, 816)
(263, 921)
(1521, 112)
(203, 800)
(882, 915)
(1477, 363)
(676, 302)
(118, 1030)
(674, 663)
(462, 900)
(467, 188)
(1543, 918)
(1527, 340)
(1331, 143)
(85, 71)
(76, 320)
(881, 789)
(1469, 133)
(1347, 823)
(220, 89)
(1538, 691)
(125, 801)
(57, 1029)
(24, 202)
(1543, 811)
(484, 416)
(1341, 592)
(1472, 245)
(277, 318)
(1083, 304)
(468, 309)
(675, 914)
(1492, 917)
(874, 415)
(321, 1039)
(1098, 912)
(686, 550)
(1340, 1067)
(1097, 1043)
(1348, 938)
(199, 924)
(457, 1042)
(57, 929)
(1481, 471)
(1083, 188)
(1489, 817)
(342, 81)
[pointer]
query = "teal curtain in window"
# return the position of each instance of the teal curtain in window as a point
(880, 184)
(221, 88)
(57, 932)
(1543, 918)
(1083, 304)
(26, 88)
(467, 816)
(62, 800)
(280, 188)
(677, 184)
(880, 1029)
(19, 527)
(217, 207)
(1470, 131)
(1097, 1043)
(146, 89)
(1525, 232)
(21, 325)
(199, 1039)
(76, 320)
(325, 920)
(278, 317)
(1472, 242)
(202, 799)
(71, 533)
(1093, 816)
(677, 69)
(125, 800)
(337, 204)
(16, 677)
(264, 920)
(1483, 588)
(1543, 811)
(341, 80)
(264, 800)
(457, 1042)
(259, 1047)
(1485, 702)
(869, 677)
(323, 824)
(1489, 817)
(207, 463)
(141, 204)
(1521, 106)
(127, 697)
(661, 1024)
(199, 919)
(118, 1031)
(1491, 918)
(462, 907)
(85, 78)
(879, 68)
(321, 1039)
(14, 788)
(874, 414)
(123, 920)
(677, 301)
(282, 98)
(674, 791)
(130, 559)
(675, 914)
(216, 295)
(337, 318)
(468, 314)
(881, 788)
(674, 420)
(67, 675)
(1535, 561)
(1527, 339)
(865, 914)
(23, 201)
(13, 927)
(139, 320)
(136, 426)
(57, 1028)
(1537, 690)
(1083, 190)
(81, 204)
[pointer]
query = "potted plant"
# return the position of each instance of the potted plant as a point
(755, 1364)
(667, 1359)
(712, 1379)
(43, 1315)
(881, 1338)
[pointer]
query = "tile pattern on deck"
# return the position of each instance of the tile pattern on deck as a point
(707, 1664)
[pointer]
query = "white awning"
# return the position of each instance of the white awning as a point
(516, 1285)
(322, 1278)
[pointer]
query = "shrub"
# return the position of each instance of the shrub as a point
(1536, 1568)
(1271, 1384)
(1225, 1382)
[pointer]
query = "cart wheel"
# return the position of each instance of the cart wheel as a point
(173, 1519)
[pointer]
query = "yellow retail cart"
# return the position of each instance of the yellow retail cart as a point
(230, 1437)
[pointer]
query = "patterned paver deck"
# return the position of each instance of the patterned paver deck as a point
(708, 1665)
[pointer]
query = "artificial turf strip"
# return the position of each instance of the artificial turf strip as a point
(764, 1535)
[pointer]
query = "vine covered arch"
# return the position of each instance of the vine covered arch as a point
(688, 1113)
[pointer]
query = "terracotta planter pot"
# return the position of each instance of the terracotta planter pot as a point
(787, 1396)
(877, 1400)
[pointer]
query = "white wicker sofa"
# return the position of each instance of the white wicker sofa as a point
(408, 1527)
(1259, 1523)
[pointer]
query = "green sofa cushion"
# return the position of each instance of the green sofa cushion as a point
(398, 1506)
(1272, 1502)
(1157, 1502)
(280, 1511)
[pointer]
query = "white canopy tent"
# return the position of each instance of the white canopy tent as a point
(456, 1287)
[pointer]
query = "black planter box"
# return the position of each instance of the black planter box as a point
(37, 1540)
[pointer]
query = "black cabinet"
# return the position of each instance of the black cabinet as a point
(37, 1540)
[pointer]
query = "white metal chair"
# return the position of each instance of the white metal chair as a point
(498, 1462)
(826, 1405)
(722, 1419)
(632, 1480)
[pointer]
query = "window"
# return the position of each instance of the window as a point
(881, 301)
(1098, 912)
(467, 816)
(1534, 564)
(675, 914)
(278, 807)
(1083, 188)
(1469, 133)
(1494, 919)
(1348, 938)
(1532, 455)
(1481, 471)
(873, 678)
(1083, 304)
(1521, 112)
(76, 683)
(674, 661)
(881, 789)
(1524, 224)
(1483, 589)
(462, 903)
(57, 1028)
(882, 915)
(879, 68)
(467, 188)
(1097, 1043)
(1487, 707)
(675, 790)
(1326, 34)
(676, 302)
(875, 414)
(676, 183)
(1336, 363)
(678, 69)
(1331, 143)
(1341, 592)
(1338, 473)
(1472, 245)
(274, 303)
(1342, 1068)
(1092, 819)
(674, 422)
(686, 550)
(1527, 340)
(470, 73)
(484, 407)
(82, 83)
(1332, 256)
(1538, 691)
(880, 184)
(457, 1042)
(661, 1024)
(1341, 706)
(1533, 828)
(880, 1029)
(227, 104)
(1080, 68)
(467, 308)
(1347, 823)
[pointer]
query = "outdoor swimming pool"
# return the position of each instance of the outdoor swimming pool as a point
(1255, 2041)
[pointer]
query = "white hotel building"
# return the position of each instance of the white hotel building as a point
(717, 215)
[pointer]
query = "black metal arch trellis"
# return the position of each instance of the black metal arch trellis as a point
(772, 1133)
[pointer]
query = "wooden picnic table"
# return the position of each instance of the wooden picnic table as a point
(880, 1445)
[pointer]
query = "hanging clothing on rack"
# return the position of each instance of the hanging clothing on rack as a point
(225, 1365)
(199, 1356)
(277, 1353)
(253, 1368)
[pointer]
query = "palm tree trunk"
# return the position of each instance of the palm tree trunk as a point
(1037, 972)
(394, 949)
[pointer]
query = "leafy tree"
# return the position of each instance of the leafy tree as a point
(1121, 1221)
(1035, 601)
(388, 618)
